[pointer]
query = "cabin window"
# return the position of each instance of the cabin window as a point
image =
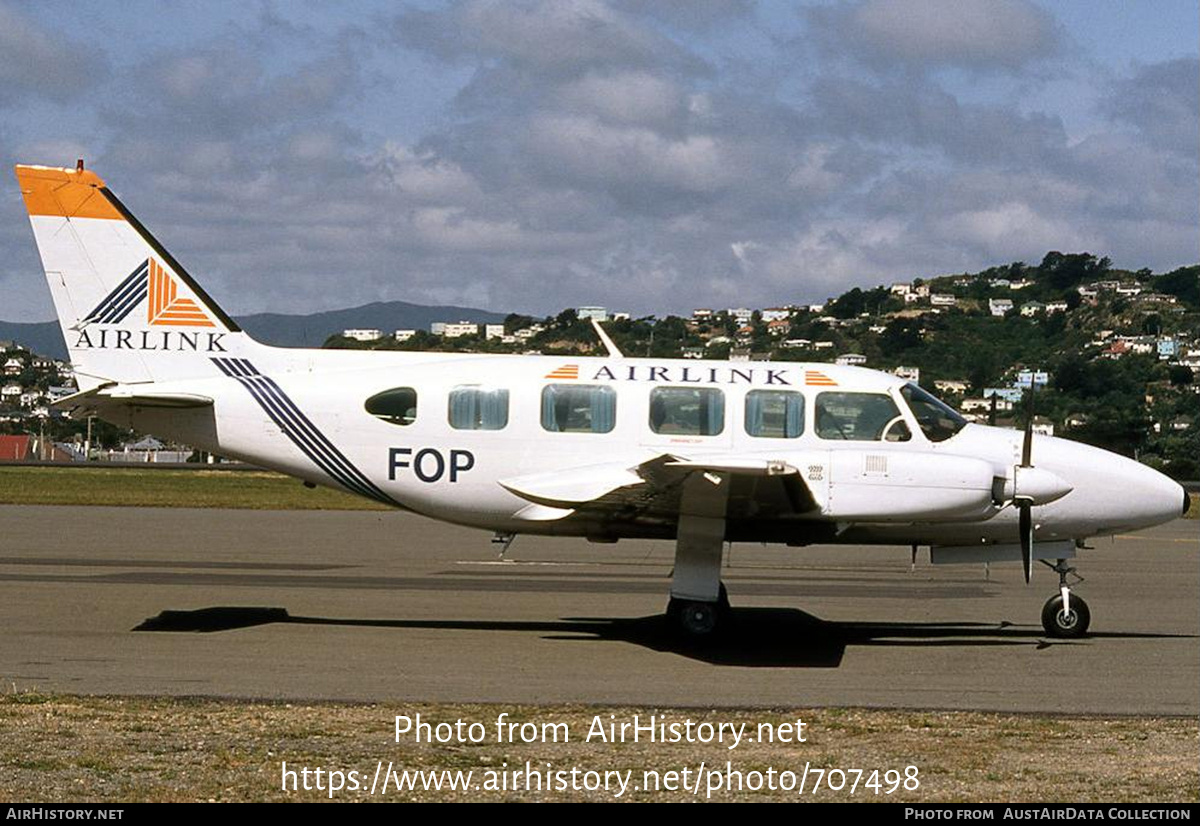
(863, 417)
(774, 414)
(937, 420)
(687, 411)
(478, 408)
(578, 408)
(395, 406)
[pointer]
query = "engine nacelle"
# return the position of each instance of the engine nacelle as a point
(895, 486)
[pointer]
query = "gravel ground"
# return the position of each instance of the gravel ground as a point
(62, 749)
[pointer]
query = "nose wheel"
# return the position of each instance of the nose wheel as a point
(1069, 622)
(1065, 616)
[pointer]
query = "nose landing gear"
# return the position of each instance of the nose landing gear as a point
(1065, 616)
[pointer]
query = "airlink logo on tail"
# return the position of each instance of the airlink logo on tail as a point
(149, 280)
(152, 283)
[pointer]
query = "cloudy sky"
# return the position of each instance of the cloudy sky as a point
(647, 155)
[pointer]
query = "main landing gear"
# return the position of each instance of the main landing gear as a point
(1065, 616)
(699, 603)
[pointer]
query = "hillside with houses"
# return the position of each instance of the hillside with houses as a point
(1113, 355)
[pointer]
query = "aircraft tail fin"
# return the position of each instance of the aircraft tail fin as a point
(129, 311)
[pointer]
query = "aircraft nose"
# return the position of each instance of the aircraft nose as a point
(1154, 496)
(1187, 503)
(1117, 493)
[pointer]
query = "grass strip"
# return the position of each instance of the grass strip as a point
(134, 487)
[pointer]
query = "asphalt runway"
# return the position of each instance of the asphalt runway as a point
(392, 607)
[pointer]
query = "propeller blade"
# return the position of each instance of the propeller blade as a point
(1025, 509)
(1024, 505)
(1027, 446)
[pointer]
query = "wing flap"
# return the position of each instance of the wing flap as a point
(653, 488)
(567, 489)
(542, 513)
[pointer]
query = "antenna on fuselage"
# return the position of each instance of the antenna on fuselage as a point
(613, 351)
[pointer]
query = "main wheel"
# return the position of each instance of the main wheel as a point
(1066, 624)
(698, 619)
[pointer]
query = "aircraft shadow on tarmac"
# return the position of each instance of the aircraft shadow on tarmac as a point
(763, 637)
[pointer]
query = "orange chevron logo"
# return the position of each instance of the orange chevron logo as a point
(819, 379)
(567, 371)
(165, 309)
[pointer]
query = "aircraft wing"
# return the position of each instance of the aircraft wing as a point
(108, 396)
(654, 488)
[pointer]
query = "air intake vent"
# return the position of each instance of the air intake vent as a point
(875, 466)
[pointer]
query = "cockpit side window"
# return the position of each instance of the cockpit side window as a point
(938, 420)
(862, 417)
(395, 406)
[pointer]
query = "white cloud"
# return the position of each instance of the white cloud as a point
(620, 157)
(38, 62)
(975, 34)
(627, 97)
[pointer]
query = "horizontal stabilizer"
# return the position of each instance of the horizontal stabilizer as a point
(105, 397)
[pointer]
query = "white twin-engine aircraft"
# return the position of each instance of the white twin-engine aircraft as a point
(604, 448)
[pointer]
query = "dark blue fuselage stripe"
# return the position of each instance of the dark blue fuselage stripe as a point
(285, 413)
(314, 438)
(298, 426)
(119, 297)
(317, 458)
(242, 371)
(241, 367)
(306, 426)
(299, 430)
(322, 461)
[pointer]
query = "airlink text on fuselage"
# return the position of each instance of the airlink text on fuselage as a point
(696, 375)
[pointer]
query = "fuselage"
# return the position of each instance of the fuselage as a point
(470, 424)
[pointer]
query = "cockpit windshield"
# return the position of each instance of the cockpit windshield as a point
(938, 420)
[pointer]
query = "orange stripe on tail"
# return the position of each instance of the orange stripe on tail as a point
(69, 193)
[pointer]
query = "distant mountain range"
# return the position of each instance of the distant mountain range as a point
(46, 339)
